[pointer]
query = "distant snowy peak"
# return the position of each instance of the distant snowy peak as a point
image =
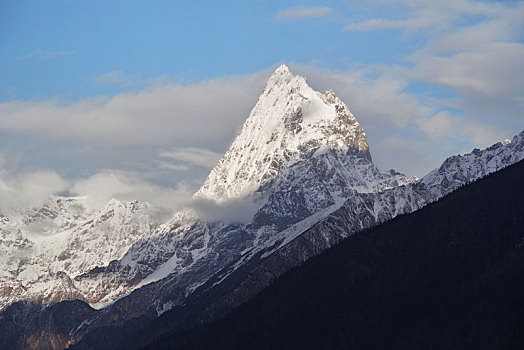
(57, 213)
(290, 122)
(63, 238)
(458, 170)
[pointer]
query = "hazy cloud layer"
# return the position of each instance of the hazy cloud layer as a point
(159, 115)
(191, 155)
(231, 211)
(29, 189)
(122, 185)
(25, 189)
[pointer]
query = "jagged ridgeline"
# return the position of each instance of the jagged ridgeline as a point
(301, 164)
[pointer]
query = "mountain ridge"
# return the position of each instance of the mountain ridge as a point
(407, 294)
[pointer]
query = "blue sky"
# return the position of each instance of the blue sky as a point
(59, 48)
(102, 91)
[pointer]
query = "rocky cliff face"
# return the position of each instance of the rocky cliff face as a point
(358, 211)
(290, 123)
(257, 267)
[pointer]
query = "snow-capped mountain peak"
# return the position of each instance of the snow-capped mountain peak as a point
(290, 123)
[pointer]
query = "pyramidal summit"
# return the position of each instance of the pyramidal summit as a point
(290, 125)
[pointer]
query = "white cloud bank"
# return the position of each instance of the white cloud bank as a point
(187, 127)
(126, 186)
(29, 188)
(203, 111)
(21, 191)
(231, 211)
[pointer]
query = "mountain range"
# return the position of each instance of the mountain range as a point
(298, 178)
(448, 276)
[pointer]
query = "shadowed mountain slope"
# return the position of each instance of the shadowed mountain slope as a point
(447, 276)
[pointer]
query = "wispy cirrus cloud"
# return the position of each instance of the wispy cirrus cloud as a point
(113, 78)
(196, 156)
(470, 48)
(435, 15)
(172, 167)
(303, 12)
(44, 55)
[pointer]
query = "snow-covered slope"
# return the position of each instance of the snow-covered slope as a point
(290, 123)
(44, 248)
(461, 169)
(256, 268)
(300, 156)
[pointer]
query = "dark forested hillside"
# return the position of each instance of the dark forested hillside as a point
(449, 276)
